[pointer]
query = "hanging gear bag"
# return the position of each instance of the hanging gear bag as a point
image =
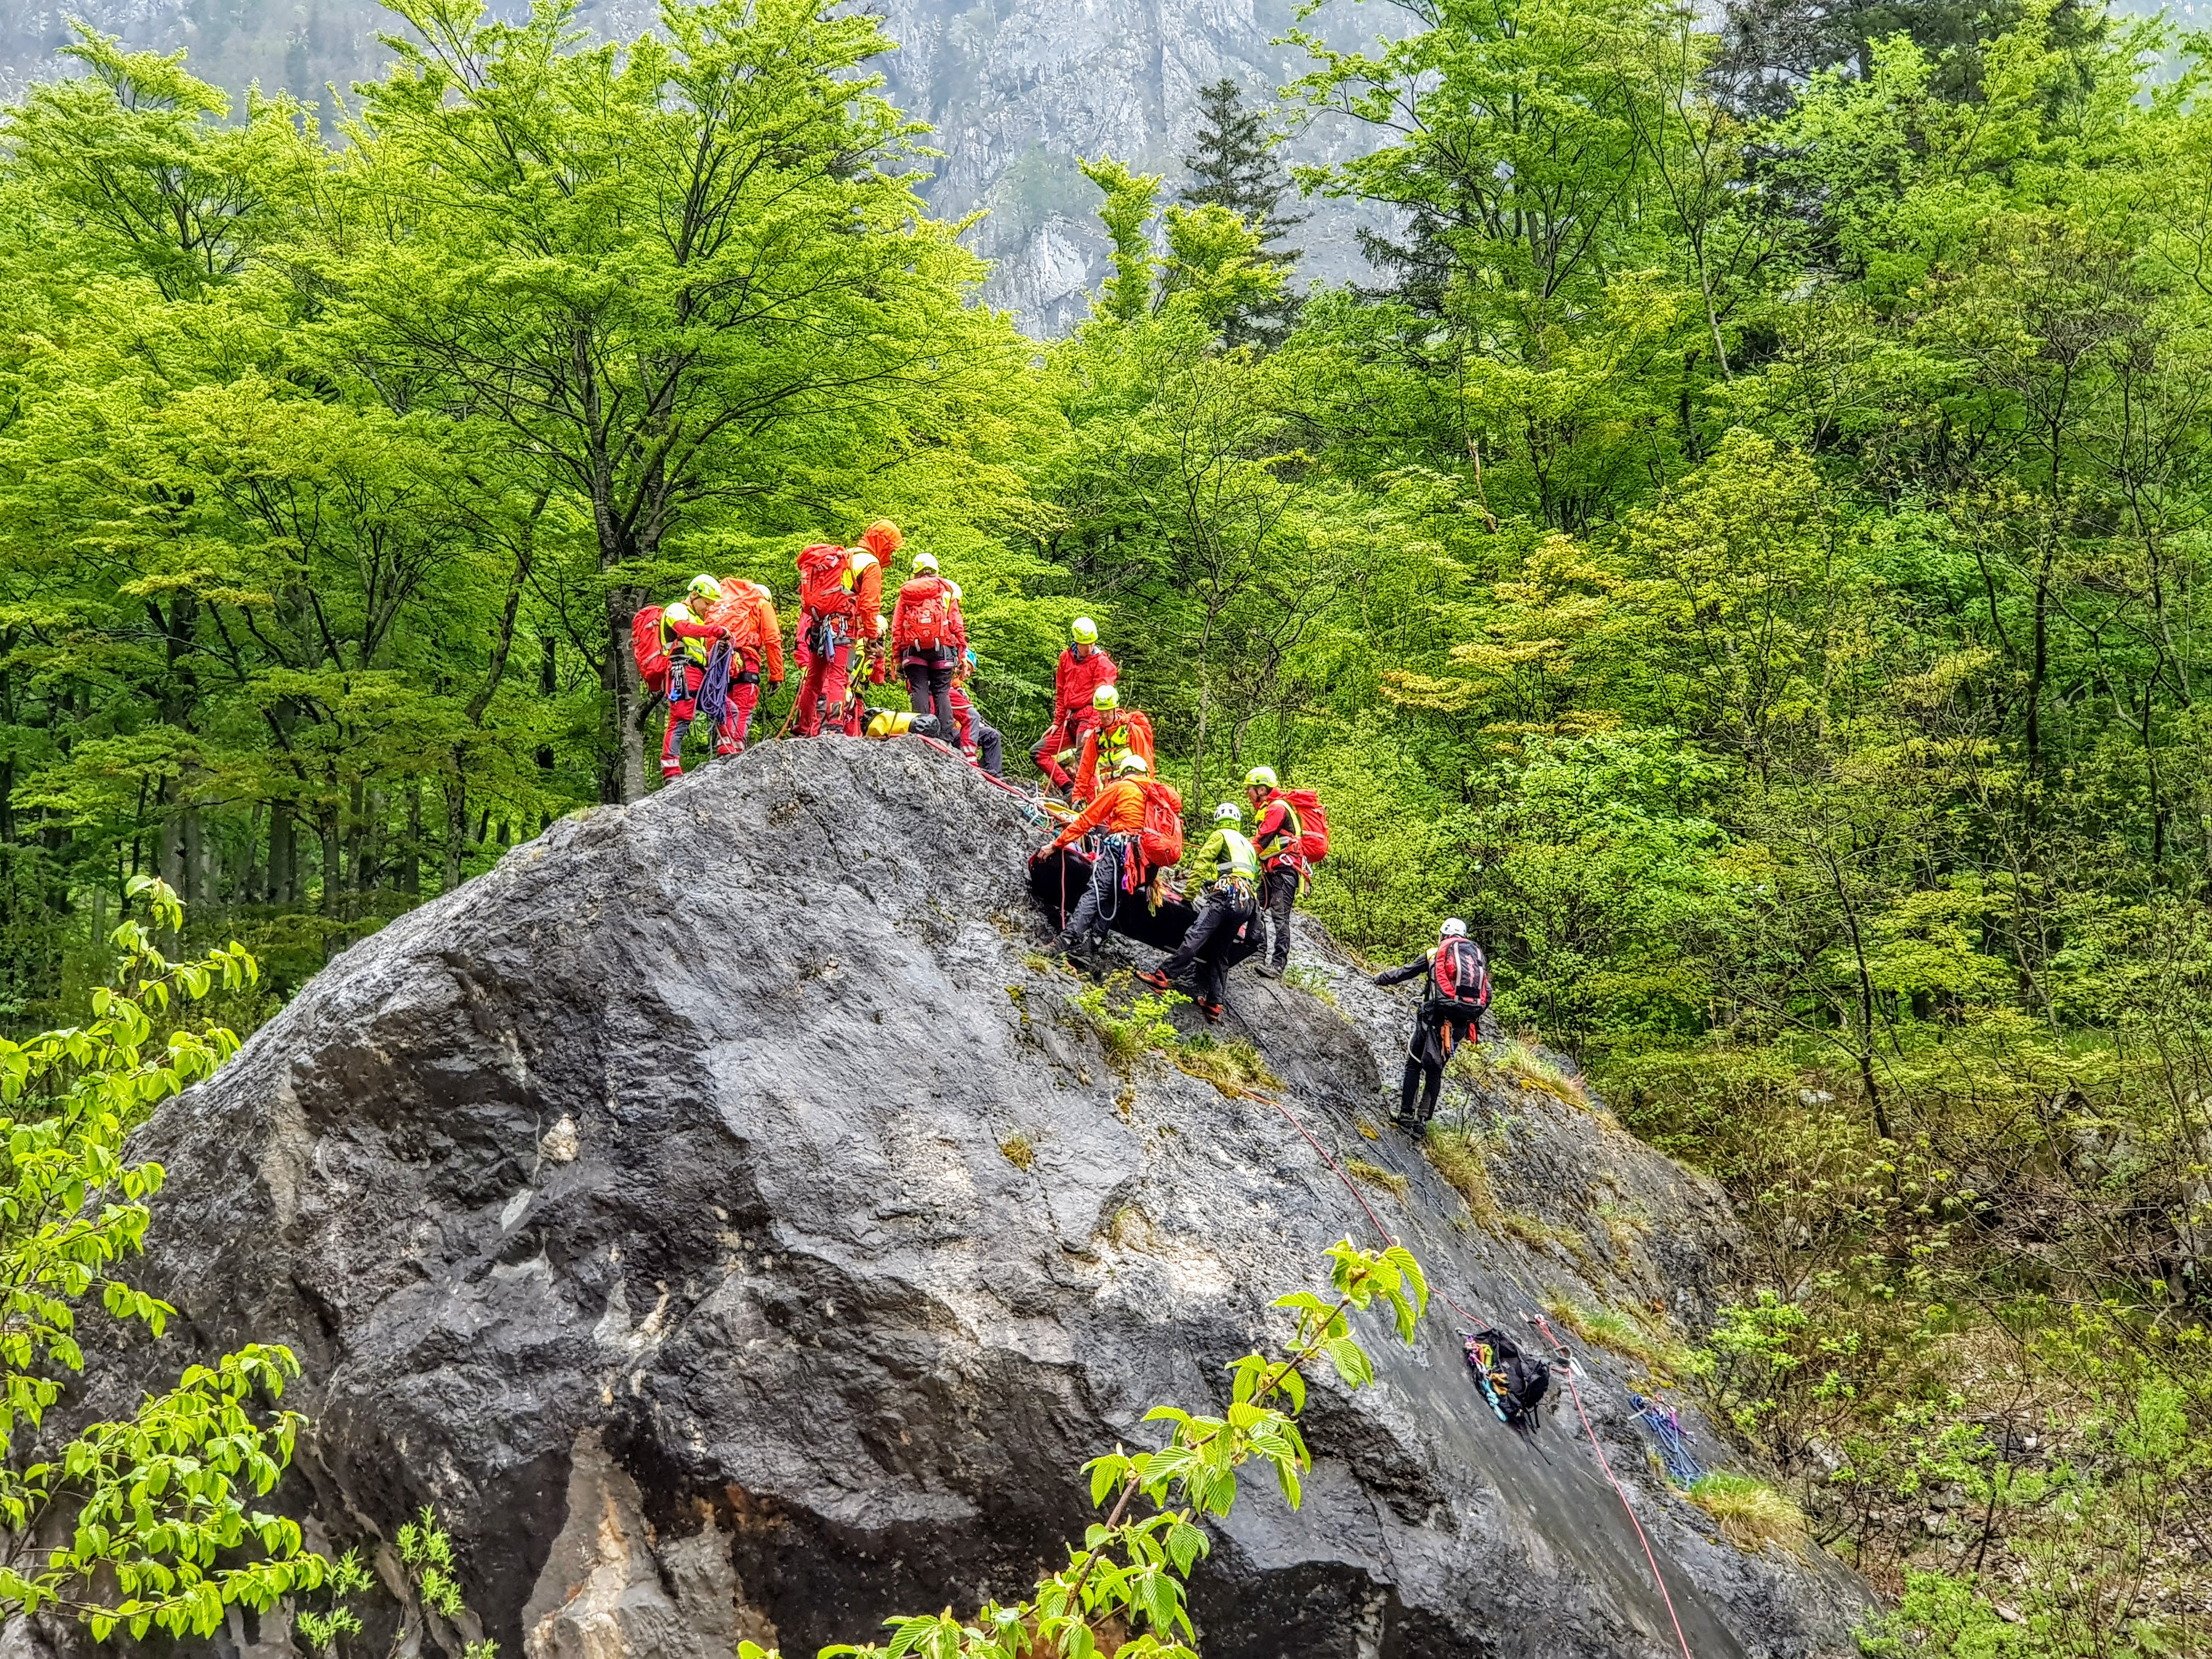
(1511, 1381)
(644, 646)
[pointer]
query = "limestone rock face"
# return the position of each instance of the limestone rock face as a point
(1016, 90)
(723, 1216)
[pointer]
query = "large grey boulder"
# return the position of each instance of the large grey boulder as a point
(722, 1216)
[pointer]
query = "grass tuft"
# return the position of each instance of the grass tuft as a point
(1017, 1151)
(1750, 1514)
(1312, 982)
(1526, 1066)
(1130, 1032)
(1231, 1067)
(1608, 1328)
(1458, 1159)
(1375, 1175)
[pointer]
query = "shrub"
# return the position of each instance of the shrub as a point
(1134, 1031)
(1750, 1514)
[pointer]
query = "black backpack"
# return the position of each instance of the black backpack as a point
(1512, 1381)
(1461, 974)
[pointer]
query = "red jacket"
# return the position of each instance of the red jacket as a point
(912, 597)
(1275, 837)
(1119, 810)
(1073, 682)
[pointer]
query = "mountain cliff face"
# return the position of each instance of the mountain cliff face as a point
(1016, 90)
(727, 1220)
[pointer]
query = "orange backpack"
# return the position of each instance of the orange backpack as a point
(821, 579)
(926, 615)
(644, 646)
(1159, 842)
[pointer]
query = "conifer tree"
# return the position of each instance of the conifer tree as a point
(1235, 167)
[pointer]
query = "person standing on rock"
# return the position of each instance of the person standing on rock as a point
(1279, 835)
(1229, 906)
(1115, 817)
(1084, 668)
(978, 739)
(747, 613)
(928, 635)
(687, 638)
(1457, 992)
(1117, 731)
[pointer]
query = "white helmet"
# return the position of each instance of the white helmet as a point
(1453, 929)
(925, 564)
(1229, 812)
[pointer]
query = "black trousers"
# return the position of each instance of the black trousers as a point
(1209, 949)
(1425, 1055)
(990, 748)
(929, 691)
(1278, 895)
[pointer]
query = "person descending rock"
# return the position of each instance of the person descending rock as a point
(928, 635)
(747, 612)
(688, 638)
(1119, 732)
(1277, 833)
(979, 738)
(1084, 668)
(1457, 992)
(1117, 816)
(1229, 905)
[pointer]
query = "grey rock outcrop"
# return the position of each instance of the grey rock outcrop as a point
(721, 1215)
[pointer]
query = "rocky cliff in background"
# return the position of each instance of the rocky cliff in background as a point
(727, 1220)
(1018, 89)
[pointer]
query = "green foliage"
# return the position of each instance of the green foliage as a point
(1140, 1026)
(156, 1513)
(1130, 1568)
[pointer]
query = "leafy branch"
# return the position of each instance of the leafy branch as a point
(1130, 1571)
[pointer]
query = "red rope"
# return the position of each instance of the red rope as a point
(1559, 1347)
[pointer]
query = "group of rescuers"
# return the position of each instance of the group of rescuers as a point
(724, 633)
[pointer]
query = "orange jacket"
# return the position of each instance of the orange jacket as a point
(1124, 732)
(867, 571)
(1119, 810)
(768, 629)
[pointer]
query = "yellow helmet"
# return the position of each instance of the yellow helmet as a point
(1083, 631)
(1106, 697)
(705, 590)
(1260, 777)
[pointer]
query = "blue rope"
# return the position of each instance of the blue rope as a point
(1664, 1424)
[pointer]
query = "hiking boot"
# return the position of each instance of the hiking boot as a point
(670, 774)
(1265, 972)
(1211, 1010)
(1156, 978)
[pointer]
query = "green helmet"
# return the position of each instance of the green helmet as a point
(705, 590)
(1083, 631)
(1229, 812)
(1260, 777)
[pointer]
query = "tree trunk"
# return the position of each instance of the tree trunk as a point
(283, 855)
(457, 830)
(410, 860)
(622, 772)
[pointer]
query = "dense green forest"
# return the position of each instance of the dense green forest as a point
(1743, 553)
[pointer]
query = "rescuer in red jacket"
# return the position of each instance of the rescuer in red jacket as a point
(1084, 668)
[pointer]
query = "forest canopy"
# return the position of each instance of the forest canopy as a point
(1742, 552)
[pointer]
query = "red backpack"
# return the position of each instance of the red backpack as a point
(926, 609)
(1313, 824)
(1461, 972)
(821, 581)
(644, 646)
(1160, 840)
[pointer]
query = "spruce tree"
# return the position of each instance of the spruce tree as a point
(1234, 166)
